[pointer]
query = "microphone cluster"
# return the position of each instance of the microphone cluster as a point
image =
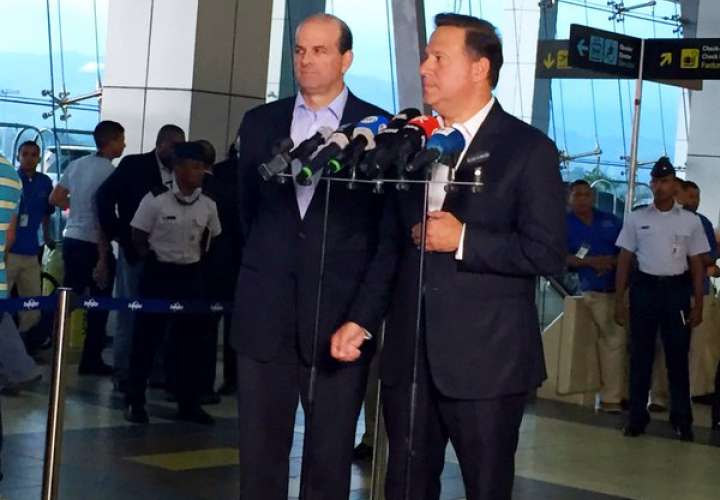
(408, 144)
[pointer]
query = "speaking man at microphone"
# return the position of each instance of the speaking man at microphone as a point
(277, 289)
(480, 352)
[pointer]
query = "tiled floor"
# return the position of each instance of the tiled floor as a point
(565, 453)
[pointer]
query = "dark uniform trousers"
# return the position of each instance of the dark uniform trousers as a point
(659, 303)
(484, 433)
(268, 394)
(79, 259)
(185, 332)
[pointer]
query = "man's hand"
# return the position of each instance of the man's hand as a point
(621, 311)
(695, 317)
(602, 264)
(443, 232)
(101, 274)
(346, 341)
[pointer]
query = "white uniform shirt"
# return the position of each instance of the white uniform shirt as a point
(662, 241)
(176, 228)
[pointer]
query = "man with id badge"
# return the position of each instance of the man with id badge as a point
(668, 242)
(23, 264)
(593, 255)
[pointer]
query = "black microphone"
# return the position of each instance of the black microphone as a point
(378, 159)
(305, 149)
(334, 145)
(363, 138)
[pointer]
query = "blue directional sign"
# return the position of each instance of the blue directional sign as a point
(604, 51)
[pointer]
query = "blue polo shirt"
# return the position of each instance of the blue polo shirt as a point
(710, 233)
(34, 206)
(599, 239)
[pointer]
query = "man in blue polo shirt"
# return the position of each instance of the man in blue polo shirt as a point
(592, 253)
(23, 264)
(704, 345)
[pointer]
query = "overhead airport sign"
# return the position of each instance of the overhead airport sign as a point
(553, 62)
(682, 58)
(604, 51)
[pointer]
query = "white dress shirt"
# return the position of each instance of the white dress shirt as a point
(440, 172)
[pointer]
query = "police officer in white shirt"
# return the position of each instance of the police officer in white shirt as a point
(172, 229)
(668, 242)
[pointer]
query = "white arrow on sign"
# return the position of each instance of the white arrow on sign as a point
(582, 47)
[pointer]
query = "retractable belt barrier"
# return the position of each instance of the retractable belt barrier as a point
(50, 303)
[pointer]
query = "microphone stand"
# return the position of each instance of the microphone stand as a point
(305, 467)
(416, 339)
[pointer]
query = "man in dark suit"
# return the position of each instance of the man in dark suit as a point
(480, 346)
(275, 299)
(117, 201)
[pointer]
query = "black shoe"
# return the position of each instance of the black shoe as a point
(99, 369)
(211, 398)
(196, 415)
(715, 415)
(631, 430)
(656, 408)
(136, 414)
(684, 432)
(227, 389)
(362, 453)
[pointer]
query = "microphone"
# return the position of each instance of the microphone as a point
(363, 139)
(443, 144)
(336, 143)
(377, 160)
(302, 152)
(414, 137)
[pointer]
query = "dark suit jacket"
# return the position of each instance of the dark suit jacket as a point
(482, 332)
(134, 177)
(222, 262)
(277, 283)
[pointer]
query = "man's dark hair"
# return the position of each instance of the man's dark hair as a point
(345, 42)
(209, 150)
(189, 151)
(481, 40)
(690, 185)
(105, 132)
(29, 144)
(166, 132)
(579, 182)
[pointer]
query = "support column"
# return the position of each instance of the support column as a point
(410, 40)
(703, 162)
(542, 95)
(197, 64)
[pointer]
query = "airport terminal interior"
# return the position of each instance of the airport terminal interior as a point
(201, 64)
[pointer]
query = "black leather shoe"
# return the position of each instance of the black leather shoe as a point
(136, 414)
(631, 430)
(195, 415)
(684, 432)
(362, 453)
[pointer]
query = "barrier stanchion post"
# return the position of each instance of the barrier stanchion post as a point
(53, 435)
(380, 439)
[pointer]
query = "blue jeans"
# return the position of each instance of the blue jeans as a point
(127, 284)
(16, 365)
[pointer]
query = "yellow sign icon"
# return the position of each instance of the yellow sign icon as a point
(690, 58)
(666, 59)
(562, 59)
(549, 62)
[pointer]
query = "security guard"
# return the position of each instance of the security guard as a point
(172, 229)
(668, 242)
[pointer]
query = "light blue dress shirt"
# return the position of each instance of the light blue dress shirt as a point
(305, 123)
